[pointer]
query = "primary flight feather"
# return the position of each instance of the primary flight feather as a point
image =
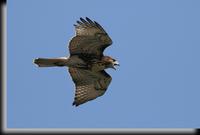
(86, 62)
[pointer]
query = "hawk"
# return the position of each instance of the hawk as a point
(86, 63)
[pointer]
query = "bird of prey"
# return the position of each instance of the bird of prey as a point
(86, 63)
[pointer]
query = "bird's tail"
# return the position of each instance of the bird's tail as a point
(51, 62)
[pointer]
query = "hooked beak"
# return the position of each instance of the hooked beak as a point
(115, 63)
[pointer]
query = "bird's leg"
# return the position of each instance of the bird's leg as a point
(100, 85)
(97, 66)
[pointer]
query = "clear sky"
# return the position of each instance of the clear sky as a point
(157, 43)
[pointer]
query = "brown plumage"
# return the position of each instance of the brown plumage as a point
(86, 62)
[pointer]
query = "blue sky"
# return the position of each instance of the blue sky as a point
(156, 42)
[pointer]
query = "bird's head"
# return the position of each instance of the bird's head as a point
(110, 62)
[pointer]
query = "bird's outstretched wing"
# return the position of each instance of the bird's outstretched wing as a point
(90, 39)
(89, 85)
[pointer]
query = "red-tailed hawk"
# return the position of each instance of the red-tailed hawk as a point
(86, 61)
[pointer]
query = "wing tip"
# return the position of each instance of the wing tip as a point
(75, 104)
(88, 22)
(81, 18)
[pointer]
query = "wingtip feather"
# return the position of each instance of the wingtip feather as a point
(75, 104)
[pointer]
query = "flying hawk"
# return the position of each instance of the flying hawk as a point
(86, 62)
